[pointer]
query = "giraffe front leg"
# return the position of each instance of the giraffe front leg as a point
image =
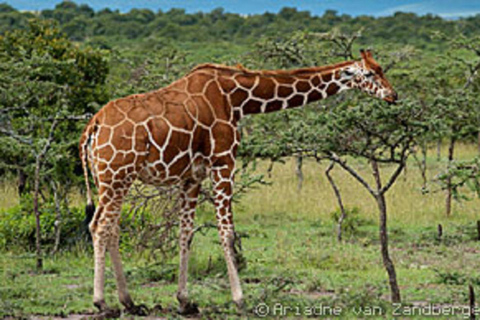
(188, 198)
(222, 179)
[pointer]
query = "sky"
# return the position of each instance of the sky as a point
(445, 8)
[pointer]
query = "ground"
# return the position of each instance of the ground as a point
(295, 266)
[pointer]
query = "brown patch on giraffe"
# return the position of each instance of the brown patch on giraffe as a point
(169, 153)
(314, 96)
(205, 113)
(138, 113)
(217, 102)
(158, 129)
(106, 153)
(332, 88)
(316, 81)
(237, 114)
(214, 95)
(180, 140)
(303, 86)
(111, 115)
(122, 136)
(246, 81)
(296, 100)
(192, 109)
(265, 90)
(326, 77)
(238, 97)
(289, 80)
(117, 185)
(177, 117)
(224, 173)
(106, 175)
(108, 192)
(174, 96)
(160, 169)
(225, 185)
(177, 167)
(180, 85)
(155, 103)
(228, 85)
(124, 104)
(252, 106)
(141, 138)
(104, 135)
(224, 137)
(274, 106)
(202, 141)
(197, 82)
(121, 158)
(284, 91)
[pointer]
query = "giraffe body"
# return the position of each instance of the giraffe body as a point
(186, 132)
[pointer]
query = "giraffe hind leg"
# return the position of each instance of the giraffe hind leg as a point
(99, 234)
(105, 232)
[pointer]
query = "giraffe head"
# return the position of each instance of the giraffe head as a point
(367, 75)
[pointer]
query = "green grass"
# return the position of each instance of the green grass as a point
(292, 255)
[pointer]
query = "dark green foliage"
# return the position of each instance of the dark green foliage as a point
(17, 226)
(44, 76)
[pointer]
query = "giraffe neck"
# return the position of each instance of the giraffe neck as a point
(251, 92)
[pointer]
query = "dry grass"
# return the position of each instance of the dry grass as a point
(406, 202)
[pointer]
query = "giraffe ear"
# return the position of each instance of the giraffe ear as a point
(362, 53)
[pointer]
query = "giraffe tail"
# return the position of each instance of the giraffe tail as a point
(83, 150)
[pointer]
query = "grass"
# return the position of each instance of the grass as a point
(292, 256)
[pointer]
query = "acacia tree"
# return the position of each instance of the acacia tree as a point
(455, 89)
(46, 86)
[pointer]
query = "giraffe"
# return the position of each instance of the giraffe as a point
(185, 132)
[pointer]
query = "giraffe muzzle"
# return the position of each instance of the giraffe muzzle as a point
(392, 98)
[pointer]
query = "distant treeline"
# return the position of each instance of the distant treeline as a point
(82, 23)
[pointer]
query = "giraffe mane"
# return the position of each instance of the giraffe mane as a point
(293, 72)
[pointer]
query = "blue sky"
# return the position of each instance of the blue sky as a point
(444, 8)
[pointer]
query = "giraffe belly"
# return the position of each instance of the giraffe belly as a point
(181, 168)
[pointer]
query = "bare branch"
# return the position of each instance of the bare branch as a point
(353, 173)
(396, 173)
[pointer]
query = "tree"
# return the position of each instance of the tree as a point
(46, 86)
(456, 98)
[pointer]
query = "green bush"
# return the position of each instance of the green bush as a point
(17, 225)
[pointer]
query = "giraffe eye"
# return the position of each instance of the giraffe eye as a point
(369, 74)
(348, 73)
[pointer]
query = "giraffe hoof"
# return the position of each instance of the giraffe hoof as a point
(188, 308)
(106, 314)
(240, 307)
(138, 310)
